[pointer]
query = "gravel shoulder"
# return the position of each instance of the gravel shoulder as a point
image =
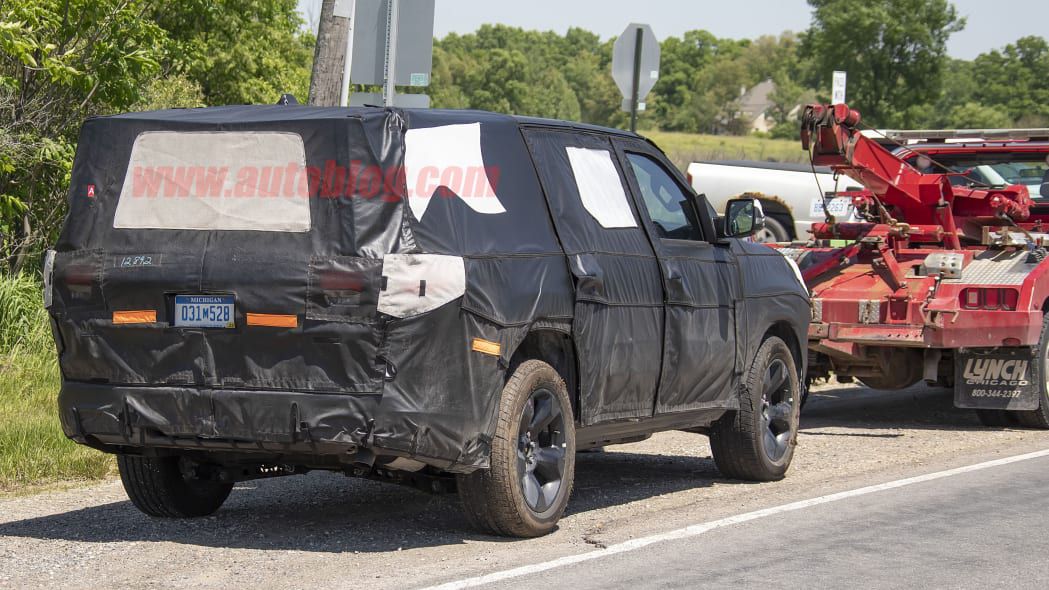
(324, 529)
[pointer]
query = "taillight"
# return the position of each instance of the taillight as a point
(990, 298)
(344, 280)
(972, 298)
(1009, 299)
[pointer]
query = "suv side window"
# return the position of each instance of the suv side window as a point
(664, 199)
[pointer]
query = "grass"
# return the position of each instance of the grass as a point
(33, 450)
(684, 148)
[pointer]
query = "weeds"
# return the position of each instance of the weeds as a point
(33, 449)
(685, 148)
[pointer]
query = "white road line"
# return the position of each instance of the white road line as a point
(699, 529)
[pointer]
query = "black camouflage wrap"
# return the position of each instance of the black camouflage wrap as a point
(657, 328)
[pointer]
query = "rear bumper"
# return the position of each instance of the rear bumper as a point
(967, 329)
(304, 428)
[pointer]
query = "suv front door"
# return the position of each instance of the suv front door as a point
(701, 284)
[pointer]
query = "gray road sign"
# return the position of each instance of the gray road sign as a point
(414, 42)
(624, 56)
(635, 67)
(404, 101)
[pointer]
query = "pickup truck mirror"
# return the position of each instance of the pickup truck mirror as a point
(743, 218)
(1044, 191)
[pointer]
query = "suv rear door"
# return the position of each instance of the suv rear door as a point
(618, 315)
(700, 358)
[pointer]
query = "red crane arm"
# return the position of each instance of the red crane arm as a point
(831, 134)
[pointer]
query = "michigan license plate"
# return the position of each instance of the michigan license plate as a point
(204, 311)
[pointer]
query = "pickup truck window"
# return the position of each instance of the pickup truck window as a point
(664, 199)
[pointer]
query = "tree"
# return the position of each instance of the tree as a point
(510, 70)
(61, 61)
(893, 50)
(681, 98)
(1016, 80)
(64, 60)
(973, 115)
(237, 51)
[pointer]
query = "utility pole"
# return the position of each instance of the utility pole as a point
(330, 56)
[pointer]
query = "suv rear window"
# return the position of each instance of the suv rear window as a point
(242, 180)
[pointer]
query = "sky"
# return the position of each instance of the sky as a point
(990, 25)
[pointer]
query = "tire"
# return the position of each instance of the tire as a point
(774, 232)
(756, 443)
(525, 490)
(1039, 418)
(157, 487)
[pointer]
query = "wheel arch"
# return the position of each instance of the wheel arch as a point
(556, 348)
(785, 332)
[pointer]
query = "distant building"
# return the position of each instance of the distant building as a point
(754, 105)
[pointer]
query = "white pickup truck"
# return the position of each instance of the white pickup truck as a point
(790, 193)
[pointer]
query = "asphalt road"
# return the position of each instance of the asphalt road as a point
(329, 531)
(984, 529)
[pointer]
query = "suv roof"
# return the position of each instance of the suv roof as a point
(541, 122)
(271, 113)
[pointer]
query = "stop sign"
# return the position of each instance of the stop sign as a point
(624, 54)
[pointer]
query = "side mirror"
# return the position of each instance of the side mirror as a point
(1045, 190)
(743, 218)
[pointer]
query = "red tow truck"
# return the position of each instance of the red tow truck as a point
(944, 280)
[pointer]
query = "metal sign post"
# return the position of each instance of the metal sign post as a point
(635, 67)
(392, 46)
(389, 86)
(640, 40)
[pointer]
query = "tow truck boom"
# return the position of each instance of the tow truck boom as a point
(832, 136)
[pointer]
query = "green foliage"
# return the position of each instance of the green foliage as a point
(1016, 80)
(32, 446)
(173, 92)
(23, 321)
(61, 60)
(685, 148)
(64, 60)
(510, 70)
(237, 51)
(893, 51)
(972, 115)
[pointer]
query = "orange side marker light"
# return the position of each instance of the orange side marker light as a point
(486, 347)
(145, 316)
(273, 320)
